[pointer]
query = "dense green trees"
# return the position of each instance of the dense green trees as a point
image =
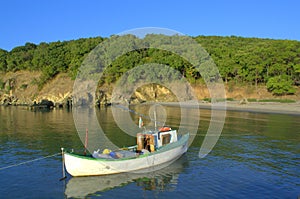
(274, 63)
(280, 85)
(50, 58)
(3, 62)
(256, 61)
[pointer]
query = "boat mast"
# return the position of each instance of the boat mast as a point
(155, 124)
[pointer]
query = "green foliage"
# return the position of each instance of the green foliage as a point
(3, 62)
(24, 86)
(49, 58)
(280, 85)
(278, 100)
(239, 60)
(2, 84)
(48, 72)
(146, 56)
(252, 100)
(219, 99)
(207, 99)
(253, 60)
(8, 87)
(229, 99)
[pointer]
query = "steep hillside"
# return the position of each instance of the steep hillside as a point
(20, 88)
(250, 68)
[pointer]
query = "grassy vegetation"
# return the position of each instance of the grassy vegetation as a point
(2, 84)
(278, 100)
(218, 100)
(24, 86)
(272, 100)
(254, 100)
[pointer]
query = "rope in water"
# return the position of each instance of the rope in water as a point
(29, 161)
(49, 156)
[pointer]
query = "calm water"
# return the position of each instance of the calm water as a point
(257, 156)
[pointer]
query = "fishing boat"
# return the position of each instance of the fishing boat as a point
(153, 148)
(163, 178)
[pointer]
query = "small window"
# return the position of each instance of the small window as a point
(166, 139)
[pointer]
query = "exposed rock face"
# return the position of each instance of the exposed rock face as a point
(59, 100)
(147, 93)
(103, 98)
(153, 93)
(21, 88)
(8, 100)
(44, 104)
(244, 101)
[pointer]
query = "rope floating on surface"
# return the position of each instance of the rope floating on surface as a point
(29, 161)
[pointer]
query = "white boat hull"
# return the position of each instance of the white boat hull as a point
(87, 166)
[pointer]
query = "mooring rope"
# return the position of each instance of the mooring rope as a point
(21, 163)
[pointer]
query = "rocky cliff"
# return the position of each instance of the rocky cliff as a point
(21, 88)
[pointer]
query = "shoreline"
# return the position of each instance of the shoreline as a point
(252, 107)
(267, 107)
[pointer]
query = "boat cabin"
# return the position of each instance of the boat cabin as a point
(153, 140)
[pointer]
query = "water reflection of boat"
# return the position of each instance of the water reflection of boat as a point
(159, 179)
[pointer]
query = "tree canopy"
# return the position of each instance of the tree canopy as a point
(256, 61)
(274, 63)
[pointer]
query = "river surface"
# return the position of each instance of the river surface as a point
(256, 156)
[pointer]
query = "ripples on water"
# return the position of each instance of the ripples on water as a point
(257, 156)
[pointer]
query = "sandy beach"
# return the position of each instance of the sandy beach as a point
(255, 107)
(260, 107)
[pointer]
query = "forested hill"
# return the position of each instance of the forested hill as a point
(49, 58)
(273, 63)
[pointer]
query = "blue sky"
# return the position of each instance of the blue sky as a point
(52, 20)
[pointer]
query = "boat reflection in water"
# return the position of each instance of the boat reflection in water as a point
(150, 179)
